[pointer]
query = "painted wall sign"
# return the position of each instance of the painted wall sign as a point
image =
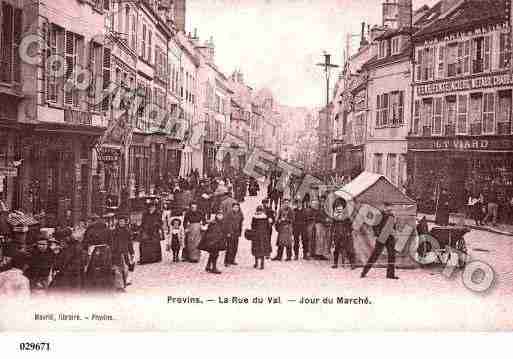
(465, 84)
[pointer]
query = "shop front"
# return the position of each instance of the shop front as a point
(54, 175)
(463, 165)
(139, 165)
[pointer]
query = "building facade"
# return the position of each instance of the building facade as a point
(461, 133)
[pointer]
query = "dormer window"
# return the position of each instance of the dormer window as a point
(396, 45)
(383, 49)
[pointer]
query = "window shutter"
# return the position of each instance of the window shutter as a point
(106, 76)
(44, 57)
(69, 56)
(7, 41)
(487, 51)
(18, 18)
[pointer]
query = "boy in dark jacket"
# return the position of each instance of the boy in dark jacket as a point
(215, 241)
(122, 252)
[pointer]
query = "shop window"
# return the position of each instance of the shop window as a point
(462, 114)
(437, 116)
(475, 113)
(450, 116)
(416, 117)
(488, 112)
(504, 113)
(504, 50)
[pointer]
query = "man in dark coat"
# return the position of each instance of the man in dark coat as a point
(122, 251)
(233, 221)
(442, 210)
(70, 261)
(151, 235)
(388, 216)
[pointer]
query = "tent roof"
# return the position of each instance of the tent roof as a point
(373, 187)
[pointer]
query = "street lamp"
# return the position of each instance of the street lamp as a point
(327, 66)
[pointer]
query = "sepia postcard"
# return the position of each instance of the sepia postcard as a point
(255, 166)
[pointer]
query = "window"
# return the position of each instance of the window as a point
(133, 34)
(504, 112)
(11, 21)
(450, 115)
(396, 43)
(504, 50)
(378, 163)
(475, 113)
(458, 58)
(416, 117)
(143, 42)
(489, 112)
(437, 116)
(127, 21)
(396, 108)
(462, 114)
(55, 39)
(441, 62)
(106, 77)
(392, 168)
(427, 116)
(481, 54)
(149, 46)
(426, 68)
(382, 110)
(383, 48)
(73, 57)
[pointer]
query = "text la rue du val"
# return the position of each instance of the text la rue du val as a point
(269, 300)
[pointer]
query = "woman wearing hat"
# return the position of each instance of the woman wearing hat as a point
(151, 235)
(260, 241)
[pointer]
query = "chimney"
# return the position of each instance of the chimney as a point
(376, 31)
(447, 5)
(195, 38)
(405, 14)
(179, 12)
(211, 49)
(363, 40)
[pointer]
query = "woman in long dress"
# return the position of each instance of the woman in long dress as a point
(192, 223)
(151, 228)
(260, 248)
(320, 248)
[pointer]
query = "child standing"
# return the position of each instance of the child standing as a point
(176, 238)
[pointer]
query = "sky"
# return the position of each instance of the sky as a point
(276, 43)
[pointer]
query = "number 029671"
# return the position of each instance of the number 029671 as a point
(37, 347)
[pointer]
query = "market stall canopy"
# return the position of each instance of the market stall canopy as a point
(373, 188)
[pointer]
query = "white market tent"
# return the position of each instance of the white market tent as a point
(374, 190)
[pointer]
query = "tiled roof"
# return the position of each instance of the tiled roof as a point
(468, 15)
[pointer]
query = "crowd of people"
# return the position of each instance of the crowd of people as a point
(102, 255)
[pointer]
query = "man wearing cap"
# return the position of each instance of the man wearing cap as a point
(70, 260)
(97, 233)
(227, 204)
(387, 217)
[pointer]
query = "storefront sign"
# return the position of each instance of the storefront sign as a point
(465, 84)
(106, 154)
(8, 171)
(462, 144)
